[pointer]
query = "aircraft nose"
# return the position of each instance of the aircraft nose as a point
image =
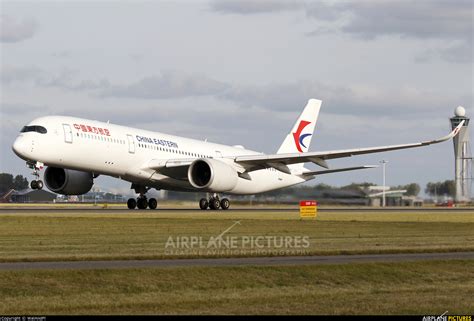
(20, 146)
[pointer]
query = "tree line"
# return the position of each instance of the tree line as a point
(8, 182)
(441, 188)
(433, 189)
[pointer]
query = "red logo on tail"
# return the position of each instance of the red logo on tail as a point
(298, 137)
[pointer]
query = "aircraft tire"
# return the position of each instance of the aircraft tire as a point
(225, 204)
(152, 203)
(203, 204)
(142, 203)
(214, 204)
(131, 203)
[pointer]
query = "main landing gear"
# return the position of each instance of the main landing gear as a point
(214, 203)
(36, 167)
(141, 202)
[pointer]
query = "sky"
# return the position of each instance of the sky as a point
(240, 72)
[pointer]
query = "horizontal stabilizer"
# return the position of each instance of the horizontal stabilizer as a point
(314, 173)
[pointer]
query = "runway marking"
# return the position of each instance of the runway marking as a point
(246, 261)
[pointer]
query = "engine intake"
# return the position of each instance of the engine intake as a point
(68, 181)
(212, 175)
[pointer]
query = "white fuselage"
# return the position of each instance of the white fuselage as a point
(126, 153)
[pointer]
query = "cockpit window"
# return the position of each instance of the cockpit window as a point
(38, 129)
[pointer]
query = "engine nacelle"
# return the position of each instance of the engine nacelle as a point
(212, 175)
(68, 181)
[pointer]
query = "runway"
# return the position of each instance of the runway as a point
(115, 209)
(244, 261)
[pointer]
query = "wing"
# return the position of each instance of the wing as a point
(280, 161)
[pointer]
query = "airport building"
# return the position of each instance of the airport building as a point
(92, 197)
(32, 196)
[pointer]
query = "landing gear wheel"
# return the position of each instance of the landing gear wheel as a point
(214, 204)
(152, 203)
(203, 204)
(36, 167)
(131, 203)
(225, 204)
(142, 203)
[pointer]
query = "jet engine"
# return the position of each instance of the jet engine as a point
(212, 175)
(68, 181)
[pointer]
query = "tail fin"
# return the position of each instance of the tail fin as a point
(299, 139)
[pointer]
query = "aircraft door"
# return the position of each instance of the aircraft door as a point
(67, 133)
(131, 144)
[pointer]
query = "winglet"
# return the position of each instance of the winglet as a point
(449, 136)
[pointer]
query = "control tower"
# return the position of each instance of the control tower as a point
(462, 156)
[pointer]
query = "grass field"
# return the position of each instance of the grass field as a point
(426, 288)
(422, 287)
(77, 235)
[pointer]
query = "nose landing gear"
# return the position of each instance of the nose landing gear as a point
(37, 184)
(214, 203)
(36, 167)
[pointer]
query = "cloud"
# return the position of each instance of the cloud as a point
(254, 7)
(448, 21)
(366, 100)
(357, 100)
(65, 79)
(12, 30)
(421, 19)
(169, 84)
(62, 54)
(459, 53)
(11, 75)
(281, 96)
(12, 109)
(370, 19)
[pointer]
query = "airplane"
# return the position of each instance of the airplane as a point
(77, 150)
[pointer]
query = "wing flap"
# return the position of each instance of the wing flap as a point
(174, 168)
(159, 164)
